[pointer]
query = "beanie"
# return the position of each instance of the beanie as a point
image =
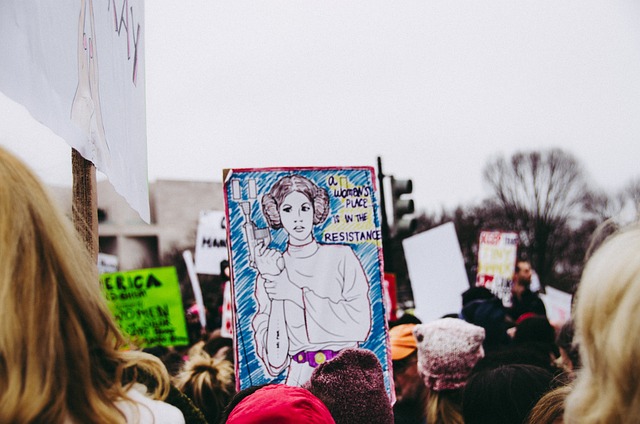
(448, 349)
(403, 343)
(352, 387)
(278, 403)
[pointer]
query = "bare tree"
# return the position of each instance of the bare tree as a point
(631, 193)
(539, 191)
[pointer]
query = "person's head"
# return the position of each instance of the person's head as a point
(352, 386)
(448, 349)
(536, 332)
(404, 354)
(522, 278)
(523, 272)
(296, 204)
(504, 395)
(550, 407)
(607, 319)
(276, 404)
(569, 358)
(209, 383)
(59, 344)
(476, 293)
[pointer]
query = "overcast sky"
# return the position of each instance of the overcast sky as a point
(433, 87)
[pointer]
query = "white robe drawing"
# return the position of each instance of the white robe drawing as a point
(336, 312)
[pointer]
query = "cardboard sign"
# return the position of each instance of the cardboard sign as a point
(306, 270)
(147, 305)
(497, 253)
(79, 68)
(437, 272)
(211, 242)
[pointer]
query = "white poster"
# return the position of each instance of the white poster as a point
(211, 242)
(78, 67)
(107, 263)
(558, 305)
(437, 272)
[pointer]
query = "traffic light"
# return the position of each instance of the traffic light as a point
(402, 205)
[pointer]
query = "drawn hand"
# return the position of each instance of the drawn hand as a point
(268, 261)
(281, 288)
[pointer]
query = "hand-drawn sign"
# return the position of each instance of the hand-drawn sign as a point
(306, 251)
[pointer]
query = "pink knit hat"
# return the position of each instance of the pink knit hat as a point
(448, 349)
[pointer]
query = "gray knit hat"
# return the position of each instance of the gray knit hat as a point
(448, 349)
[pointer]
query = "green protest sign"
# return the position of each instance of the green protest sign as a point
(147, 305)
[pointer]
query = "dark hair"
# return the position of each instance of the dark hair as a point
(476, 293)
(287, 185)
(516, 354)
(406, 318)
(565, 340)
(239, 397)
(504, 395)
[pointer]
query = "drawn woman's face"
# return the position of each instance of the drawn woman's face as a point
(296, 214)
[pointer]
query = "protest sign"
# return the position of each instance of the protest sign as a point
(79, 68)
(107, 263)
(437, 272)
(147, 305)
(558, 305)
(226, 328)
(496, 262)
(211, 242)
(306, 270)
(389, 292)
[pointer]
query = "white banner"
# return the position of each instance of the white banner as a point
(211, 242)
(78, 67)
(436, 269)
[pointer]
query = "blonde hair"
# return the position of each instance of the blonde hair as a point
(208, 382)
(550, 408)
(59, 345)
(444, 407)
(607, 322)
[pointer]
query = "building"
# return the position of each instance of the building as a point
(175, 209)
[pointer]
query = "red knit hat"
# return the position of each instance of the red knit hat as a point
(448, 349)
(278, 403)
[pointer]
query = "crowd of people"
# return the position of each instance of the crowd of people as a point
(64, 360)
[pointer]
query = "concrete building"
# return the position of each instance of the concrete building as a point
(175, 209)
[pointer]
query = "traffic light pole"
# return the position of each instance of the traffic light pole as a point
(386, 236)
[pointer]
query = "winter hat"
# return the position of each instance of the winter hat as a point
(352, 387)
(448, 349)
(278, 403)
(403, 343)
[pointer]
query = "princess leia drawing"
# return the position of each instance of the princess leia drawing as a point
(312, 298)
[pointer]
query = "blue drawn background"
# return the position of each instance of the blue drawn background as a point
(248, 369)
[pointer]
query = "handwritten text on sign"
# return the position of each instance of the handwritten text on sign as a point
(147, 305)
(353, 222)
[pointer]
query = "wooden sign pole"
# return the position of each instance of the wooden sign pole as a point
(85, 202)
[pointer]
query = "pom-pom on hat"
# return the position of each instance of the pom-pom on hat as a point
(352, 387)
(403, 342)
(448, 349)
(278, 403)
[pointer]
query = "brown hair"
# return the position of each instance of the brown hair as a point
(287, 185)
